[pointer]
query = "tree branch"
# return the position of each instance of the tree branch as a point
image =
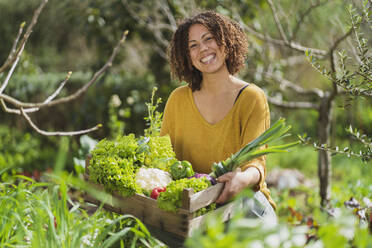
(30, 27)
(292, 105)
(30, 110)
(303, 16)
(166, 10)
(332, 61)
(14, 46)
(153, 24)
(284, 83)
(277, 22)
(19, 104)
(339, 40)
(46, 133)
(292, 45)
(5, 83)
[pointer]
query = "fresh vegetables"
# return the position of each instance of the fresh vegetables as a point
(156, 151)
(149, 178)
(255, 149)
(181, 169)
(115, 174)
(156, 191)
(208, 177)
(171, 199)
(114, 163)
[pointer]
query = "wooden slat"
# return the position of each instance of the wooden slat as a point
(205, 197)
(149, 213)
(186, 194)
(226, 211)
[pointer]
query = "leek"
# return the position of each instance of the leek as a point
(254, 149)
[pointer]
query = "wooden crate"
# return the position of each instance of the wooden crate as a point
(182, 223)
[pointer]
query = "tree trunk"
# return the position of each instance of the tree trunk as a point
(324, 157)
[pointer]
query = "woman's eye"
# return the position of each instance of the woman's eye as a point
(192, 46)
(209, 38)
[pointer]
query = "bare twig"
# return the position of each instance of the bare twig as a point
(30, 27)
(284, 83)
(340, 39)
(303, 16)
(277, 22)
(78, 93)
(155, 24)
(5, 83)
(50, 98)
(46, 133)
(166, 10)
(14, 46)
(295, 46)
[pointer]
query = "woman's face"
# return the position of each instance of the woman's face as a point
(205, 54)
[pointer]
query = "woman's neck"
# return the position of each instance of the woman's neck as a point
(215, 83)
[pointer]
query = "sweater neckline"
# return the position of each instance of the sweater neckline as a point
(203, 120)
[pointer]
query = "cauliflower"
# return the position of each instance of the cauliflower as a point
(149, 178)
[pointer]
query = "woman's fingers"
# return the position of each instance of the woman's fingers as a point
(225, 177)
(225, 194)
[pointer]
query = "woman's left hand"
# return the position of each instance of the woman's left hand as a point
(236, 181)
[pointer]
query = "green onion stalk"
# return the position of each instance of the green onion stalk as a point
(254, 149)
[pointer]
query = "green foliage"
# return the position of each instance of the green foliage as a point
(22, 151)
(115, 125)
(42, 215)
(343, 229)
(117, 175)
(159, 153)
(303, 158)
(87, 144)
(112, 165)
(205, 210)
(171, 199)
(154, 117)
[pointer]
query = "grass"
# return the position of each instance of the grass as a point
(42, 215)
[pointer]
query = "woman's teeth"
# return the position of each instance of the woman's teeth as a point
(207, 59)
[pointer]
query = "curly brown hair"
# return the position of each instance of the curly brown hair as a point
(227, 33)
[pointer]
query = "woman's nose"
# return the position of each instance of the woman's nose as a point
(203, 47)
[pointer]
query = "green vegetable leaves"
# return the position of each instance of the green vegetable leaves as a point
(114, 163)
(171, 199)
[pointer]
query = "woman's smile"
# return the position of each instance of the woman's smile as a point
(208, 59)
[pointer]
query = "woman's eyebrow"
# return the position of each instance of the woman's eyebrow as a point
(203, 35)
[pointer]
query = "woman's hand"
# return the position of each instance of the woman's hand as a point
(236, 181)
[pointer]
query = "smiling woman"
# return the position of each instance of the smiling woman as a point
(216, 114)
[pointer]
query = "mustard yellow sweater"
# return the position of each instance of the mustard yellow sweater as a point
(202, 143)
